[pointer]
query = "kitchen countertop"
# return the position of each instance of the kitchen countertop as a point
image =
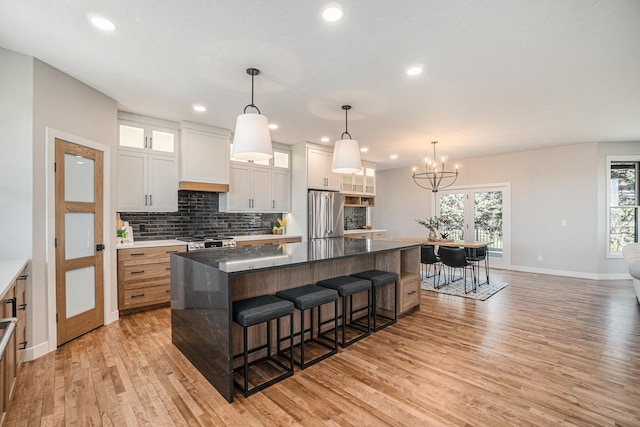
(264, 237)
(9, 271)
(242, 260)
(362, 230)
(151, 244)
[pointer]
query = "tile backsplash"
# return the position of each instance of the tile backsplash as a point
(197, 214)
(354, 217)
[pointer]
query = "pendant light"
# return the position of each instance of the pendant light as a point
(251, 139)
(346, 152)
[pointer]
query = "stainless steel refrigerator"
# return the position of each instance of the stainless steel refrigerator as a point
(326, 214)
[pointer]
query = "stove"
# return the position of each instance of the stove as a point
(195, 243)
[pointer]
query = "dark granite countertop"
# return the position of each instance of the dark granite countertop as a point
(242, 260)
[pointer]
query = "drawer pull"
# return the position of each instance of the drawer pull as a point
(137, 272)
(23, 345)
(168, 290)
(168, 268)
(22, 307)
(172, 252)
(23, 277)
(137, 295)
(137, 254)
(411, 293)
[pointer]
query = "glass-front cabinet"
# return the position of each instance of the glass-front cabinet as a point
(363, 182)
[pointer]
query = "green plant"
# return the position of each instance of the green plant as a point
(121, 233)
(435, 222)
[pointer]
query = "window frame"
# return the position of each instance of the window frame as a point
(610, 160)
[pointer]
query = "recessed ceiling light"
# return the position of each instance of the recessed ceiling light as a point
(200, 108)
(332, 13)
(273, 126)
(103, 23)
(364, 149)
(324, 139)
(414, 70)
(393, 156)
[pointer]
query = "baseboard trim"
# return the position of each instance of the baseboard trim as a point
(40, 350)
(111, 317)
(565, 273)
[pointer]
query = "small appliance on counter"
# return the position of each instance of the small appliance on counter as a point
(195, 243)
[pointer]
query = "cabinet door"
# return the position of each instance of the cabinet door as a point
(281, 191)
(370, 180)
(162, 184)
(205, 157)
(239, 196)
(261, 189)
(319, 173)
(316, 169)
(131, 181)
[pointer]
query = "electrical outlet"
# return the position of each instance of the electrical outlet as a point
(539, 257)
(143, 227)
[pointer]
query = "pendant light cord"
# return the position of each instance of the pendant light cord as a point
(346, 109)
(252, 72)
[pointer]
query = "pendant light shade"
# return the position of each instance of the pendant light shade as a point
(252, 139)
(346, 152)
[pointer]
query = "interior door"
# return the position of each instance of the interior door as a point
(79, 244)
(479, 214)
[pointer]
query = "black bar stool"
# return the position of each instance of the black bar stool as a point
(380, 278)
(347, 286)
(306, 298)
(253, 311)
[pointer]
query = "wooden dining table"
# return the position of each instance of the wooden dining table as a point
(470, 244)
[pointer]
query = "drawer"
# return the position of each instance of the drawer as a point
(250, 243)
(410, 294)
(290, 240)
(139, 297)
(147, 271)
(162, 252)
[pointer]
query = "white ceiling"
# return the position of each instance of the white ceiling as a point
(499, 76)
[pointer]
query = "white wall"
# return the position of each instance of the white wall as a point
(547, 186)
(65, 104)
(16, 150)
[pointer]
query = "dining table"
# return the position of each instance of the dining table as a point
(467, 244)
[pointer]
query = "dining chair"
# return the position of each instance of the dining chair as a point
(455, 258)
(429, 258)
(476, 256)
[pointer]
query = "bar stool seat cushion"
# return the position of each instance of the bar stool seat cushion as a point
(308, 296)
(346, 285)
(378, 277)
(252, 311)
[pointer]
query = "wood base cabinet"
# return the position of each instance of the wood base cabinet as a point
(13, 306)
(144, 276)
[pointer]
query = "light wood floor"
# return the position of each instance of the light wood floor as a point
(545, 350)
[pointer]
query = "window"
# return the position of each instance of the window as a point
(623, 206)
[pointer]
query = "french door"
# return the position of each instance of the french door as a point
(480, 214)
(78, 224)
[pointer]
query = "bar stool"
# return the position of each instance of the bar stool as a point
(307, 298)
(378, 279)
(254, 311)
(348, 286)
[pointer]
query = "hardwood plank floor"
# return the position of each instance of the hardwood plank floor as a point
(545, 350)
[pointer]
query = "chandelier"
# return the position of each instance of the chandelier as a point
(433, 178)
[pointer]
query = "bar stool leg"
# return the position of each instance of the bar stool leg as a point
(246, 360)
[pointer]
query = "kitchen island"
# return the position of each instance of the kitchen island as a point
(205, 283)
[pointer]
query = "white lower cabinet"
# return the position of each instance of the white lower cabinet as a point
(147, 182)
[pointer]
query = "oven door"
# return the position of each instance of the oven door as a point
(213, 244)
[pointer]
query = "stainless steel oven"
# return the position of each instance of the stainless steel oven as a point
(195, 243)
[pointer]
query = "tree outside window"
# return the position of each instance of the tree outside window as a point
(623, 204)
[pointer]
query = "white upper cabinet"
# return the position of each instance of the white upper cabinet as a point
(204, 154)
(147, 164)
(363, 182)
(149, 136)
(260, 186)
(319, 175)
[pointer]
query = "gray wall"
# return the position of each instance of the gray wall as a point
(547, 186)
(16, 154)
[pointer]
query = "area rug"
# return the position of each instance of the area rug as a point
(457, 288)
